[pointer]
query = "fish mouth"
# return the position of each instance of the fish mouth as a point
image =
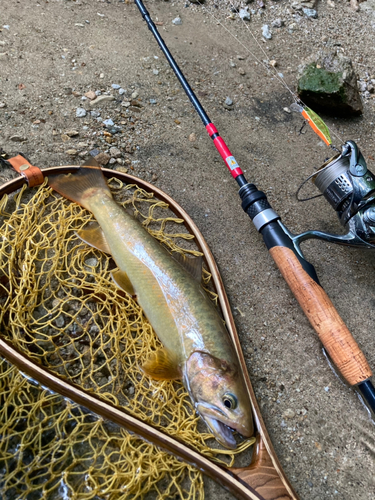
(223, 434)
(219, 424)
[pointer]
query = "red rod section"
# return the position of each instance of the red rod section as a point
(223, 149)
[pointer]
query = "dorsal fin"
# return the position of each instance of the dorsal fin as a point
(94, 237)
(193, 265)
(162, 365)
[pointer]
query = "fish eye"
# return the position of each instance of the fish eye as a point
(230, 401)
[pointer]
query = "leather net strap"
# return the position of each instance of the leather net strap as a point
(33, 175)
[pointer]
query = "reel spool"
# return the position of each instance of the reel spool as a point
(349, 187)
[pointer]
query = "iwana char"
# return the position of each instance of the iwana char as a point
(196, 344)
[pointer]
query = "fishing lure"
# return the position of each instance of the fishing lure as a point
(314, 120)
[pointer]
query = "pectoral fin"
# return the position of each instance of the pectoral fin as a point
(94, 237)
(122, 281)
(162, 365)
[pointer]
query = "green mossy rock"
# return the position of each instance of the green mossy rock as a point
(328, 83)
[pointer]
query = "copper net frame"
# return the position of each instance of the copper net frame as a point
(263, 478)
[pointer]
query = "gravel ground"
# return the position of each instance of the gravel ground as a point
(53, 52)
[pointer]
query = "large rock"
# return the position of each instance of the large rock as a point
(327, 82)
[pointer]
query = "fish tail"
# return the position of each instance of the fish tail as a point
(81, 186)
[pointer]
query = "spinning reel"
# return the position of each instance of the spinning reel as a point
(349, 187)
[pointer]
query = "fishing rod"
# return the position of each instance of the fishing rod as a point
(349, 187)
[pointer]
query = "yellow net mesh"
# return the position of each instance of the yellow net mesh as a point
(59, 306)
(54, 449)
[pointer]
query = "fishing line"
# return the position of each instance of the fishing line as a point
(296, 99)
(284, 246)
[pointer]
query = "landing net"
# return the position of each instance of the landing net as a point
(60, 307)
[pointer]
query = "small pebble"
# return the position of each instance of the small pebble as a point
(94, 152)
(241, 71)
(90, 95)
(244, 14)
(108, 123)
(287, 110)
(362, 86)
(135, 95)
(81, 112)
(102, 158)
(115, 86)
(228, 101)
(177, 21)
(123, 170)
(310, 13)
(115, 152)
(192, 137)
(71, 152)
(101, 100)
(155, 71)
(18, 138)
(60, 322)
(72, 133)
(289, 413)
(266, 33)
(153, 101)
(121, 91)
(277, 23)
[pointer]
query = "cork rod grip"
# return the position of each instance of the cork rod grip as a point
(324, 318)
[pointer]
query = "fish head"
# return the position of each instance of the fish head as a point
(220, 396)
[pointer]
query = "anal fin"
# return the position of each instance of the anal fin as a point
(94, 237)
(162, 365)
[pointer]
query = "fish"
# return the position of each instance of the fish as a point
(197, 348)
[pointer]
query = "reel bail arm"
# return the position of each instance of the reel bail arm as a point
(349, 187)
